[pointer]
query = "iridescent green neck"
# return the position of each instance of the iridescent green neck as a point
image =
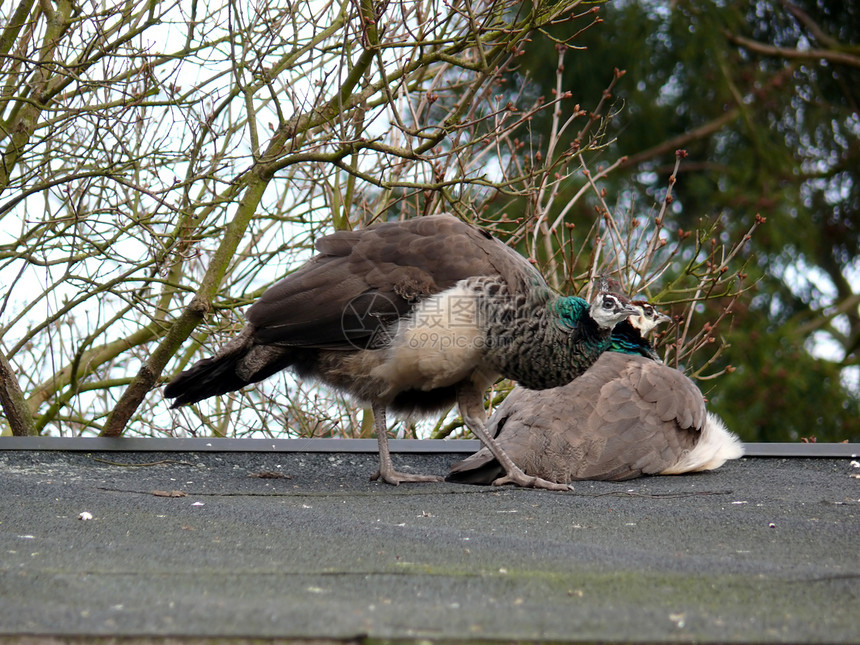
(626, 339)
(571, 310)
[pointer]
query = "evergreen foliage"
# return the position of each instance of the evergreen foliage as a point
(764, 98)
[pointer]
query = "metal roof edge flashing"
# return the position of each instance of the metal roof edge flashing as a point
(164, 444)
(831, 450)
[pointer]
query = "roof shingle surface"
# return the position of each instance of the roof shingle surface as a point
(763, 549)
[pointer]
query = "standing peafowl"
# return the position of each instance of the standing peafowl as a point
(628, 415)
(414, 316)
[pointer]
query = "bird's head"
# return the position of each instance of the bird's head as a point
(608, 309)
(630, 335)
(648, 317)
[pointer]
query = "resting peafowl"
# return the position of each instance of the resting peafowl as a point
(628, 415)
(414, 316)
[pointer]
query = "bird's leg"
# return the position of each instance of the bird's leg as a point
(386, 468)
(470, 401)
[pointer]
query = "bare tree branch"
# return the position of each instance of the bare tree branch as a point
(830, 55)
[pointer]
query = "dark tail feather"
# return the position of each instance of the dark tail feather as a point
(209, 377)
(239, 363)
(480, 468)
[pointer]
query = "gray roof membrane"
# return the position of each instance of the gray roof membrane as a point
(203, 545)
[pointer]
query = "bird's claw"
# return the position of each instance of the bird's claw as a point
(519, 478)
(395, 477)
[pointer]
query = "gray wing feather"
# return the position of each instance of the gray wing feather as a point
(626, 416)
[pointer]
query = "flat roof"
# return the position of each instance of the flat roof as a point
(223, 544)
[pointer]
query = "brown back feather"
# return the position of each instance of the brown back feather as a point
(362, 280)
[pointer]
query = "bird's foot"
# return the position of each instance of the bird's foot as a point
(395, 477)
(518, 478)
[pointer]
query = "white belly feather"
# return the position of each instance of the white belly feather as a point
(439, 344)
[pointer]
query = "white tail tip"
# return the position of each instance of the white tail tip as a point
(716, 446)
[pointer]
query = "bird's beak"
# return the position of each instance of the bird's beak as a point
(632, 310)
(663, 318)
